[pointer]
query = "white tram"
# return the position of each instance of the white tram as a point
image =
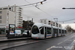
(43, 31)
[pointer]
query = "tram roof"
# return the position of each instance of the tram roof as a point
(46, 25)
(41, 24)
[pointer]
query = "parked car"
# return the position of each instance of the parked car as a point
(25, 33)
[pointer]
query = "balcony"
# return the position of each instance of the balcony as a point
(20, 18)
(0, 8)
(20, 10)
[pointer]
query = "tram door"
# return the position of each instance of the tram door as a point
(42, 32)
(55, 32)
(48, 32)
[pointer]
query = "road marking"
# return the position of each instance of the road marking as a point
(50, 48)
(59, 43)
(65, 40)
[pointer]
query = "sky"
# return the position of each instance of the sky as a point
(50, 9)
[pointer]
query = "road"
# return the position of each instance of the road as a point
(59, 43)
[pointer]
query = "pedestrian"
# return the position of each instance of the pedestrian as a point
(27, 32)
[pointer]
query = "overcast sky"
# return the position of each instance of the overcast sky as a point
(50, 9)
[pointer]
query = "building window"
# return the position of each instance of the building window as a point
(0, 17)
(49, 22)
(53, 23)
(59, 25)
(10, 8)
(0, 8)
(56, 24)
(5, 8)
(44, 21)
(41, 21)
(0, 21)
(0, 12)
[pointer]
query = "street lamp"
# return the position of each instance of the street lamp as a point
(68, 8)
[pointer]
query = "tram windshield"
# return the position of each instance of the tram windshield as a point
(35, 30)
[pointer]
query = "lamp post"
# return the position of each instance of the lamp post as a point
(56, 21)
(68, 8)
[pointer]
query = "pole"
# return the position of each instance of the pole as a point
(15, 14)
(56, 20)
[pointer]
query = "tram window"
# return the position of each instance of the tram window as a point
(59, 31)
(48, 31)
(42, 30)
(55, 30)
(62, 31)
(35, 30)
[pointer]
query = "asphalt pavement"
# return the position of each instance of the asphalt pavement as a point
(59, 43)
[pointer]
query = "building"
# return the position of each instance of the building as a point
(27, 24)
(45, 21)
(10, 15)
(49, 22)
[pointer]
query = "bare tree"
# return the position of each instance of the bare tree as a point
(69, 29)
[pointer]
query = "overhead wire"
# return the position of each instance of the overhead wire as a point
(31, 3)
(67, 20)
(47, 13)
(39, 8)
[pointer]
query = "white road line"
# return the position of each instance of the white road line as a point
(50, 48)
(65, 40)
(59, 43)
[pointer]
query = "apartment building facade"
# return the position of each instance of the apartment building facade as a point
(10, 15)
(49, 22)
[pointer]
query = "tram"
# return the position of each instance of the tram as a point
(43, 31)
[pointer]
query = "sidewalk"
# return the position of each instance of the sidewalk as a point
(4, 39)
(2, 35)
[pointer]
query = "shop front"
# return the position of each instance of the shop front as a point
(2, 31)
